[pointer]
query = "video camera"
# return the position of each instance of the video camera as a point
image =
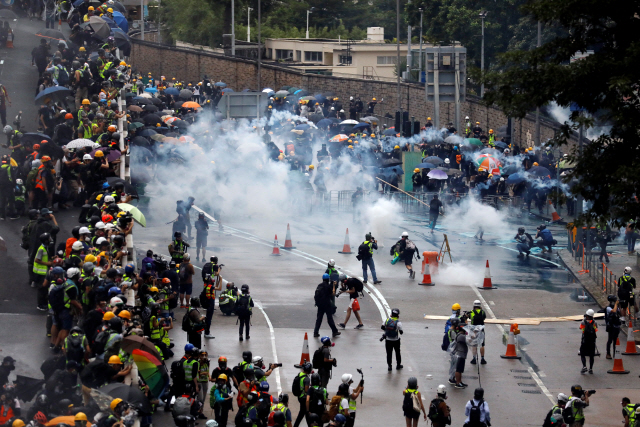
(160, 263)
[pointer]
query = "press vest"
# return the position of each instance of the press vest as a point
(188, 370)
(41, 269)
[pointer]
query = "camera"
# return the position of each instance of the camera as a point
(275, 365)
(383, 337)
(591, 392)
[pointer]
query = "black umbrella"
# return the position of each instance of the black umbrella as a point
(128, 188)
(27, 388)
(316, 117)
(539, 171)
(130, 95)
(140, 141)
(7, 15)
(387, 163)
(151, 108)
(52, 364)
(141, 153)
(180, 124)
(146, 132)
(132, 395)
(155, 101)
(136, 342)
(151, 119)
(95, 374)
(34, 138)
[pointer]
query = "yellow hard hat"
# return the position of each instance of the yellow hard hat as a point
(490, 130)
(355, 142)
(222, 377)
(455, 306)
(374, 99)
(99, 196)
(351, 146)
(349, 141)
(416, 170)
(82, 49)
(477, 123)
(123, 63)
(99, 153)
(18, 423)
(373, 135)
(353, 134)
(86, 102)
(311, 167)
(153, 289)
(115, 359)
(90, 258)
(125, 314)
(115, 402)
(110, 10)
(91, 8)
(396, 147)
(535, 164)
(490, 175)
(108, 315)
(428, 118)
(80, 416)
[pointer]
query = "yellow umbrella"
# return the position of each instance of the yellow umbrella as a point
(67, 419)
(135, 213)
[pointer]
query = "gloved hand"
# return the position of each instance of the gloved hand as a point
(401, 331)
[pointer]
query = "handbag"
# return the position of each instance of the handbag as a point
(416, 402)
(356, 305)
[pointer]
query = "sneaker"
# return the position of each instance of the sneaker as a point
(241, 338)
(360, 326)
(247, 337)
(14, 217)
(33, 284)
(399, 366)
(51, 346)
(591, 371)
(208, 336)
(342, 325)
(609, 356)
(452, 382)
(389, 368)
(336, 333)
(202, 416)
(197, 259)
(377, 282)
(314, 335)
(42, 308)
(413, 274)
(460, 385)
(473, 361)
(463, 384)
(583, 370)
(483, 362)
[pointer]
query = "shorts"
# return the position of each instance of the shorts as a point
(63, 320)
(460, 364)
(186, 288)
(201, 242)
(408, 260)
(623, 304)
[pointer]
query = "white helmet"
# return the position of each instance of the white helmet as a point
(477, 303)
(87, 157)
(100, 225)
(562, 397)
(211, 423)
(627, 270)
(404, 234)
(351, 98)
(109, 226)
(77, 246)
(84, 230)
(256, 360)
(447, 161)
(19, 181)
(109, 199)
(100, 241)
(466, 118)
(590, 313)
(115, 301)
(501, 179)
(333, 108)
(507, 151)
(7, 130)
(332, 263)
(72, 272)
(442, 390)
(346, 378)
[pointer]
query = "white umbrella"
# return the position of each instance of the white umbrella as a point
(146, 95)
(349, 122)
(81, 142)
(267, 90)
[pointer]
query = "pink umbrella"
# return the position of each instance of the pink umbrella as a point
(113, 154)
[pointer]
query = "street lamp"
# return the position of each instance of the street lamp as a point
(420, 54)
(249, 9)
(308, 12)
(482, 15)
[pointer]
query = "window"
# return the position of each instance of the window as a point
(313, 56)
(298, 55)
(346, 59)
(389, 60)
(284, 53)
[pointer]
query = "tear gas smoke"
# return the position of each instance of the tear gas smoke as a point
(470, 214)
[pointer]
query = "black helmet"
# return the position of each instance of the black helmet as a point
(195, 302)
(118, 240)
(576, 389)
(116, 136)
(343, 389)
(214, 259)
(112, 273)
(395, 312)
(315, 379)
(279, 418)
(413, 382)
(76, 329)
(45, 237)
(612, 298)
(64, 406)
(478, 393)
(184, 421)
(252, 397)
(455, 322)
(307, 367)
(118, 184)
(42, 400)
(33, 213)
(115, 324)
(244, 288)
(247, 356)
(284, 398)
(177, 234)
(259, 373)
(249, 373)
(520, 230)
(75, 231)
(201, 215)
(94, 219)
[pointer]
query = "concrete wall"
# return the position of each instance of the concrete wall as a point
(191, 64)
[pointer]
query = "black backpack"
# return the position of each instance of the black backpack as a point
(204, 301)
(391, 328)
(100, 342)
(242, 417)
(567, 414)
(4, 177)
(186, 321)
(434, 414)
(296, 389)
(474, 413)
(363, 252)
(85, 78)
(589, 331)
(56, 297)
(263, 407)
(26, 232)
(624, 291)
(63, 76)
(321, 296)
(74, 349)
(316, 401)
(242, 306)
(318, 359)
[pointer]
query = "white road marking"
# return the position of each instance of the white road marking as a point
(492, 303)
(383, 313)
(535, 377)
(533, 256)
(273, 344)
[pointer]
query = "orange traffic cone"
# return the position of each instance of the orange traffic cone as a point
(487, 284)
(305, 357)
(511, 343)
(10, 40)
(554, 215)
(426, 273)
(346, 248)
(276, 249)
(287, 240)
(618, 367)
(631, 342)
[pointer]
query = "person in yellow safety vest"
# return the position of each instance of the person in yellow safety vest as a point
(352, 395)
(89, 14)
(577, 402)
(134, 86)
(177, 248)
(467, 126)
(477, 317)
(118, 368)
(191, 368)
(41, 266)
(281, 404)
(629, 412)
(492, 136)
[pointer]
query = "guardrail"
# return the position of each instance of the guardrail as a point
(125, 172)
(605, 278)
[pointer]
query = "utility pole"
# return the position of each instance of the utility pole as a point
(259, 44)
(233, 27)
(142, 20)
(308, 12)
(483, 15)
(398, 72)
(409, 56)
(249, 9)
(537, 137)
(420, 54)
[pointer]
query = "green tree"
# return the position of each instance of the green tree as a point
(606, 81)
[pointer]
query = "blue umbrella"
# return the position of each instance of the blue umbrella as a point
(426, 166)
(500, 144)
(54, 93)
(228, 89)
(172, 91)
(320, 97)
(150, 89)
(389, 132)
(110, 22)
(362, 125)
(302, 126)
(516, 178)
(77, 3)
(510, 169)
(220, 84)
(121, 21)
(325, 123)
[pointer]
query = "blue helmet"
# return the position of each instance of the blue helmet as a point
(129, 269)
(325, 276)
(325, 340)
(264, 386)
(340, 418)
(105, 185)
(114, 290)
(189, 348)
(57, 270)
(455, 147)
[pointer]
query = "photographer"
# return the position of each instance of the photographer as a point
(365, 255)
(577, 402)
(259, 366)
(392, 328)
(327, 364)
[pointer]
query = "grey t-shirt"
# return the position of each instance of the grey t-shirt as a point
(41, 254)
(461, 348)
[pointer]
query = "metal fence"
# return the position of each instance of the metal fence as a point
(605, 278)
